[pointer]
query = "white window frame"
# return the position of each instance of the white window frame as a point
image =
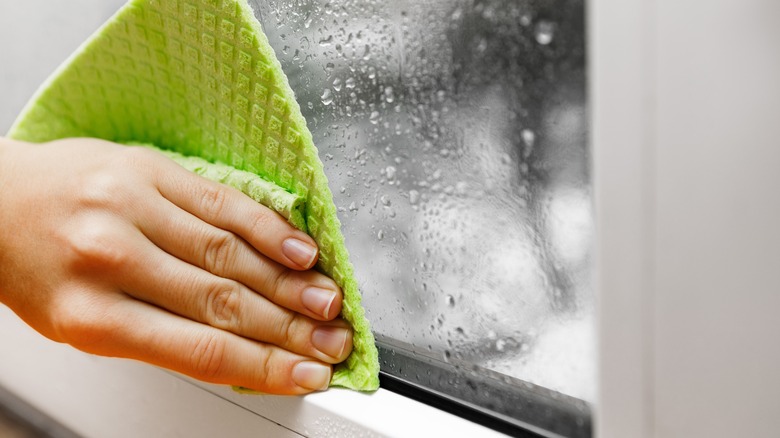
(97, 397)
(685, 105)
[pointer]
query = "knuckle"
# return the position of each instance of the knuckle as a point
(135, 156)
(95, 247)
(221, 248)
(99, 189)
(213, 201)
(80, 326)
(223, 306)
(208, 356)
(286, 329)
(262, 376)
(262, 221)
(280, 282)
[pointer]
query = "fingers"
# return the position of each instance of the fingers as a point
(225, 255)
(191, 292)
(231, 210)
(139, 331)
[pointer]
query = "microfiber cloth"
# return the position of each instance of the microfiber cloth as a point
(199, 79)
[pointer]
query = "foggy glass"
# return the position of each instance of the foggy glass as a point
(453, 135)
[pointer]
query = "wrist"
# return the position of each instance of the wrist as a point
(9, 156)
(5, 178)
(5, 144)
(5, 168)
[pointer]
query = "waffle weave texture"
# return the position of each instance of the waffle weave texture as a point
(198, 77)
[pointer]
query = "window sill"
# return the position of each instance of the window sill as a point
(95, 396)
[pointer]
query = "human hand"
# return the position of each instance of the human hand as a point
(120, 252)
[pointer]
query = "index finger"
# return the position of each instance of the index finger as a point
(231, 210)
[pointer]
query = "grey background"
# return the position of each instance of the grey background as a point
(35, 37)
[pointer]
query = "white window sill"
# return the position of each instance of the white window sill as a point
(95, 396)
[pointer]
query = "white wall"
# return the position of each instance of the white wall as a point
(686, 119)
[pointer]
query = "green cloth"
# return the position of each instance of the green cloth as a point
(198, 77)
(288, 205)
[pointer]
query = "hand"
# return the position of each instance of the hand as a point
(120, 252)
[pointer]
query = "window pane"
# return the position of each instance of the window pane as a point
(454, 136)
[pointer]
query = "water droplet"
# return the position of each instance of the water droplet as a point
(544, 32)
(389, 98)
(390, 172)
(450, 301)
(337, 84)
(350, 83)
(326, 41)
(385, 200)
(327, 97)
(380, 235)
(456, 14)
(482, 46)
(353, 206)
(500, 344)
(414, 197)
(528, 137)
(374, 118)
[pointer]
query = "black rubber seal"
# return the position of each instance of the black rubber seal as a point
(504, 404)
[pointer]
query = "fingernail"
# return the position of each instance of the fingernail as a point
(318, 300)
(311, 375)
(330, 340)
(299, 252)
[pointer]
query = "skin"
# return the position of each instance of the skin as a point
(120, 252)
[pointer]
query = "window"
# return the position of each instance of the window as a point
(454, 136)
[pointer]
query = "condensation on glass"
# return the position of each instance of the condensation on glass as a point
(454, 135)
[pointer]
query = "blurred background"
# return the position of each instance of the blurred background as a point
(454, 135)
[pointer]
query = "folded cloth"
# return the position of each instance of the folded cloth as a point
(199, 78)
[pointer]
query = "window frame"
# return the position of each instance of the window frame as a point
(43, 378)
(98, 396)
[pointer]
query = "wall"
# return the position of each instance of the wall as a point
(686, 102)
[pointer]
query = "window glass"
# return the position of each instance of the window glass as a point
(454, 136)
